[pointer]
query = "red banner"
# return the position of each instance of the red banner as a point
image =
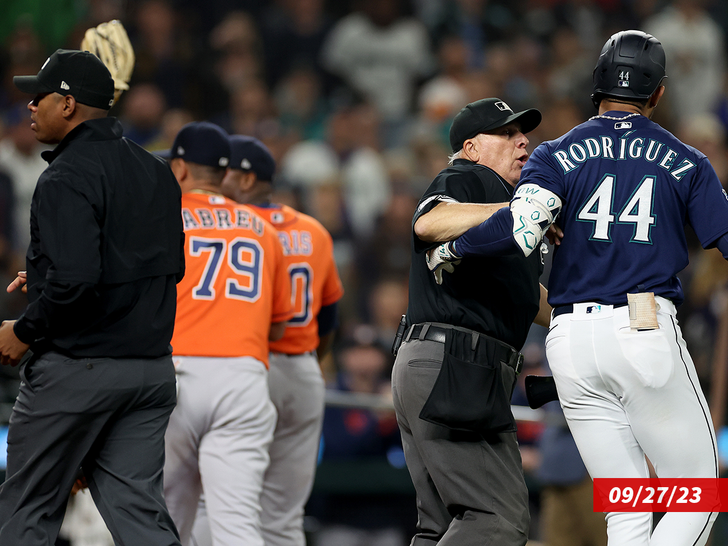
(661, 495)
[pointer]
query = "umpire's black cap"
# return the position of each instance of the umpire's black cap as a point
(72, 72)
(201, 142)
(486, 115)
(250, 154)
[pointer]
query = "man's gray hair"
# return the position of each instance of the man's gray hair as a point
(457, 155)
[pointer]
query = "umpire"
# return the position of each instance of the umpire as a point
(458, 359)
(104, 258)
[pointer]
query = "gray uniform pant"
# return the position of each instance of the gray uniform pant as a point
(108, 415)
(218, 441)
(470, 487)
(297, 390)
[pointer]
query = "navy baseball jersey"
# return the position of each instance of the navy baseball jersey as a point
(628, 188)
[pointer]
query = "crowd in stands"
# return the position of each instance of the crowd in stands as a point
(355, 98)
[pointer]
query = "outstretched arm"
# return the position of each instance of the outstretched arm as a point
(447, 221)
(521, 227)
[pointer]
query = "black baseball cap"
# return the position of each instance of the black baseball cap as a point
(201, 142)
(250, 154)
(71, 72)
(486, 115)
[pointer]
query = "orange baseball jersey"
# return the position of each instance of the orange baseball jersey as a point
(235, 282)
(309, 255)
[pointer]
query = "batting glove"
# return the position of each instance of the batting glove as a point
(442, 258)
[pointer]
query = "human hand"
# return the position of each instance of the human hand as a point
(79, 485)
(11, 348)
(442, 258)
(20, 281)
(554, 234)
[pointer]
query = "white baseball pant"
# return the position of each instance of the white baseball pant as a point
(629, 394)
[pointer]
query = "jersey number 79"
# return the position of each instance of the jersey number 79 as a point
(243, 256)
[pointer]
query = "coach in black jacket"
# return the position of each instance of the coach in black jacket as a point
(98, 385)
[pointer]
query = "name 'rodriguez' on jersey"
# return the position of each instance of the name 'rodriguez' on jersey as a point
(625, 181)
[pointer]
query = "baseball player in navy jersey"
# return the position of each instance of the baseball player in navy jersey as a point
(626, 188)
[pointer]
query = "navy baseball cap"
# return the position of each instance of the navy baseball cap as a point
(71, 72)
(201, 142)
(250, 154)
(486, 115)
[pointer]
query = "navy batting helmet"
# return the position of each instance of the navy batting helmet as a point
(631, 66)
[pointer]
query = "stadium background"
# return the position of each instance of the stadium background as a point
(354, 98)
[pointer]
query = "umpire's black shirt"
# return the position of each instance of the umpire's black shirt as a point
(105, 251)
(495, 296)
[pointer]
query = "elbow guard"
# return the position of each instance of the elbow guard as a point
(533, 209)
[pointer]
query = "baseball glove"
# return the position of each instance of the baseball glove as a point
(110, 43)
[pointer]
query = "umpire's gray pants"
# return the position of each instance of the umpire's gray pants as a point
(470, 488)
(108, 415)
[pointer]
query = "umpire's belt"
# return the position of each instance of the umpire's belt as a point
(429, 331)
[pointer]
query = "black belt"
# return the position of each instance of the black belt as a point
(561, 309)
(504, 352)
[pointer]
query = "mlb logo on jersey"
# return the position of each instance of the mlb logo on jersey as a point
(623, 125)
(623, 80)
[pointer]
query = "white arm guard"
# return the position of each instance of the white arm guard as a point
(534, 209)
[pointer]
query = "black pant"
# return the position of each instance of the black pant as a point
(108, 416)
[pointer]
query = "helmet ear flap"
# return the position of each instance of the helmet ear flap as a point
(631, 66)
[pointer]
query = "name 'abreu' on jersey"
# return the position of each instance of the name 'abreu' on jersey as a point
(628, 188)
(221, 218)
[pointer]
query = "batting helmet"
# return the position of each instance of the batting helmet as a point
(631, 66)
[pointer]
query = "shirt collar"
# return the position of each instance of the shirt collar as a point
(502, 180)
(89, 131)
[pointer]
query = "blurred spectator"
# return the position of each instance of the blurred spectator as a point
(164, 55)
(381, 54)
(387, 304)
(349, 156)
(301, 106)
(706, 290)
(20, 159)
(529, 432)
(172, 121)
(250, 112)
(570, 68)
(707, 134)
(351, 434)
(444, 95)
(237, 41)
(567, 518)
(386, 253)
(560, 114)
(478, 23)
(695, 45)
(353, 135)
(142, 111)
(22, 53)
(293, 35)
(51, 20)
